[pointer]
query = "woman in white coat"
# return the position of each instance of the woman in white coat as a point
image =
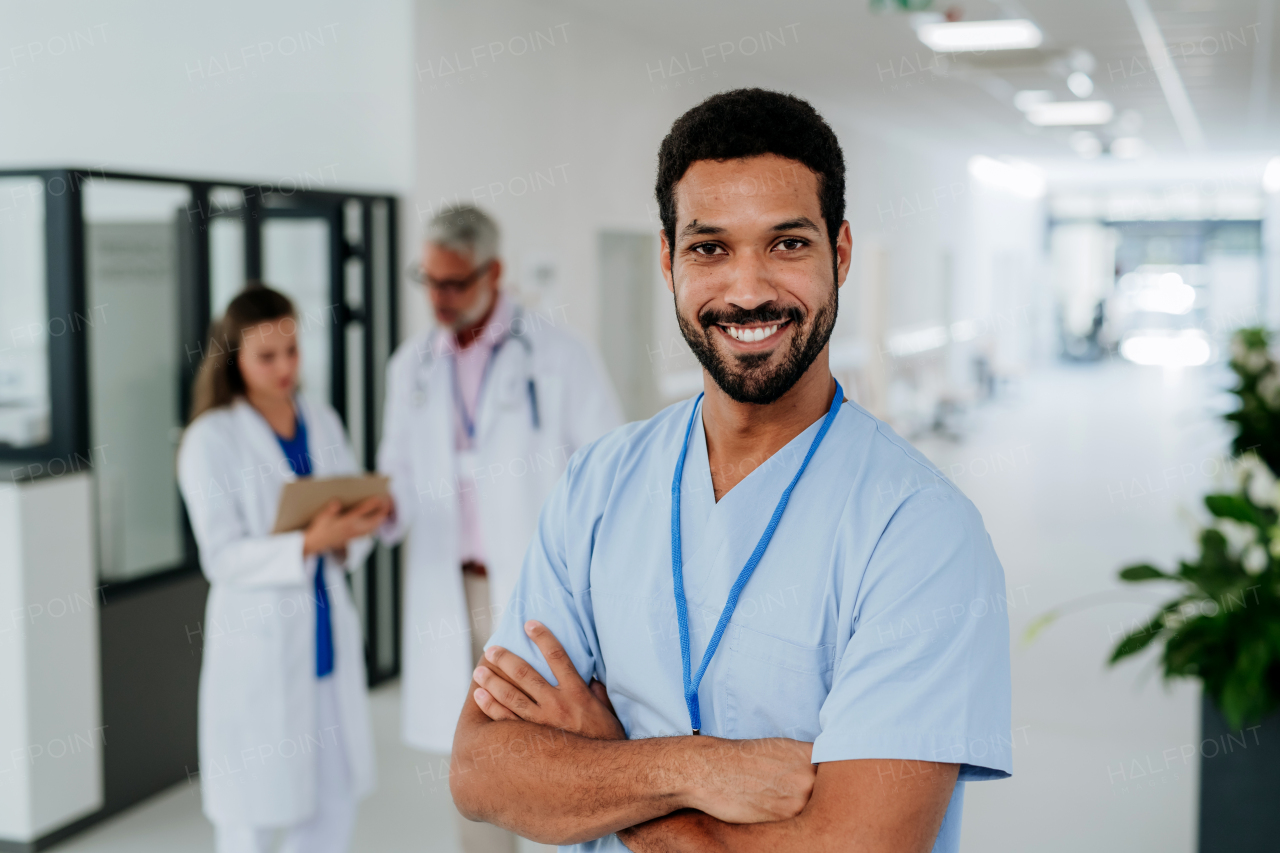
(284, 734)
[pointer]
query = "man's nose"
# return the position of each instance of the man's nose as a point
(749, 282)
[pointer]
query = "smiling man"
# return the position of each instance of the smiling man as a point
(759, 620)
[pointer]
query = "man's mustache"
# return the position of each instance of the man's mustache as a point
(765, 314)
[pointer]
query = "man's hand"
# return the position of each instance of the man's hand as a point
(756, 781)
(749, 781)
(858, 806)
(511, 689)
(703, 794)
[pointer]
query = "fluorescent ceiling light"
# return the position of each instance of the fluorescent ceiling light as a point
(948, 37)
(1271, 176)
(1064, 113)
(1161, 348)
(1020, 179)
(1080, 84)
(1028, 98)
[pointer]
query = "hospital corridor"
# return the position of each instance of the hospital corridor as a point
(509, 426)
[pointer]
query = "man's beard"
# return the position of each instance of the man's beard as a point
(473, 315)
(747, 377)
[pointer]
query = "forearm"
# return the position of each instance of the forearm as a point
(695, 832)
(558, 788)
(858, 806)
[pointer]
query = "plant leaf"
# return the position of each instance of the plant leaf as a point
(1232, 506)
(1143, 572)
(1037, 625)
(1138, 640)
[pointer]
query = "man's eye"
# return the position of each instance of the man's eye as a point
(705, 249)
(792, 243)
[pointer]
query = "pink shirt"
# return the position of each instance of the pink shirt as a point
(470, 366)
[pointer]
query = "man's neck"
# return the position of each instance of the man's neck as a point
(742, 436)
(468, 336)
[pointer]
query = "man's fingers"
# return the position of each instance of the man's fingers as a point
(557, 658)
(497, 683)
(517, 670)
(495, 709)
(598, 690)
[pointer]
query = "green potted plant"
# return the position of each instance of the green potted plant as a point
(1223, 627)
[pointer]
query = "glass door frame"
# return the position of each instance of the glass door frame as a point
(66, 286)
(65, 299)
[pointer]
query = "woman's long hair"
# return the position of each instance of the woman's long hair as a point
(219, 381)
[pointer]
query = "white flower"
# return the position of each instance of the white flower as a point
(1254, 560)
(1262, 484)
(1247, 465)
(1257, 360)
(1269, 389)
(1239, 535)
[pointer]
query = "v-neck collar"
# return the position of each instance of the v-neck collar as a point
(718, 537)
(264, 436)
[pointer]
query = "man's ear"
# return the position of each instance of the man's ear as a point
(844, 253)
(664, 260)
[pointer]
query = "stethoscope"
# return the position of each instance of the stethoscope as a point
(427, 363)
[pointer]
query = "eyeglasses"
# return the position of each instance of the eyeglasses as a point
(453, 286)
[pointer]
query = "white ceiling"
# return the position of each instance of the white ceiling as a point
(869, 66)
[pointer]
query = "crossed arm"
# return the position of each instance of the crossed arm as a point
(553, 764)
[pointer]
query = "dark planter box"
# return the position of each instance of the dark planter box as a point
(1239, 785)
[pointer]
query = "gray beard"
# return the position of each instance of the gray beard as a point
(469, 319)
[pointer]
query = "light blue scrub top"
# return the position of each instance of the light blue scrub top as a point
(875, 626)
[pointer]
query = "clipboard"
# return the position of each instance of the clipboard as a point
(302, 499)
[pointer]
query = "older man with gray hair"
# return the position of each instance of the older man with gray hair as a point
(482, 415)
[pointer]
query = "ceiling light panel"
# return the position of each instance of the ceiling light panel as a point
(1070, 113)
(952, 37)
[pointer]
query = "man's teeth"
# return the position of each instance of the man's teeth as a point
(756, 333)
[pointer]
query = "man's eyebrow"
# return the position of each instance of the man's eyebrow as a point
(700, 228)
(802, 223)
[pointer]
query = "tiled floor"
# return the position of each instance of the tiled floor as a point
(1077, 471)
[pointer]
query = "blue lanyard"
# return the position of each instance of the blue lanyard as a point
(468, 423)
(677, 560)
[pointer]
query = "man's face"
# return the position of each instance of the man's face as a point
(460, 293)
(753, 272)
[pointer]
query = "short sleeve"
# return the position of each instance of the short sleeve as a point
(545, 592)
(925, 674)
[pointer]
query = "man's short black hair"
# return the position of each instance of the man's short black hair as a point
(746, 123)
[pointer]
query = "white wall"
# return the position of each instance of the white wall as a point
(556, 142)
(237, 89)
(51, 730)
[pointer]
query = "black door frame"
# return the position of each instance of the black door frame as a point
(66, 289)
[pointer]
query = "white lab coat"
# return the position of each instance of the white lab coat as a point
(257, 731)
(515, 465)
